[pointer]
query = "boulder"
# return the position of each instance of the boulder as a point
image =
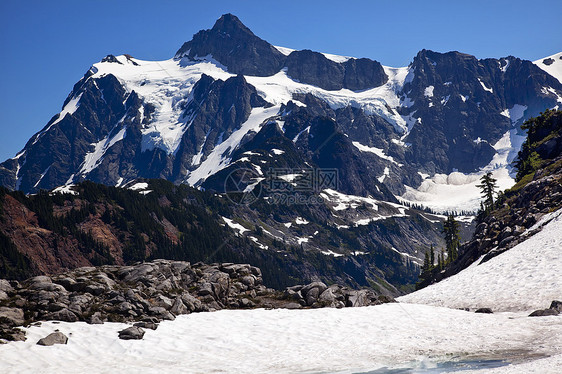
(146, 325)
(56, 337)
(356, 298)
(131, 333)
(544, 313)
(62, 315)
(484, 310)
(557, 305)
(11, 316)
(179, 307)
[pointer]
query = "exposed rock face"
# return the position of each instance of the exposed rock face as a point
(314, 68)
(513, 219)
(235, 46)
(460, 99)
(455, 106)
(53, 338)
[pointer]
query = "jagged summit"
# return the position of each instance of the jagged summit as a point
(230, 24)
(234, 45)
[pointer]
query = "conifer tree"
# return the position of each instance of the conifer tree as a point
(432, 256)
(452, 239)
(488, 187)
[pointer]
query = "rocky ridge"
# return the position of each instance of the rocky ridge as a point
(149, 292)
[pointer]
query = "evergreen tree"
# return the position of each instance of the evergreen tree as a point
(441, 260)
(452, 239)
(488, 187)
(432, 256)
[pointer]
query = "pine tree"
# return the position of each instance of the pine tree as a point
(426, 265)
(488, 187)
(432, 256)
(452, 239)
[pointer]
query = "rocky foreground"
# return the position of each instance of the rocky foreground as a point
(150, 292)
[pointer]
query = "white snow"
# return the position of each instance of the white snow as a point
(378, 151)
(345, 202)
(524, 278)
(554, 69)
(219, 158)
(284, 50)
(307, 130)
(167, 85)
(277, 151)
(94, 158)
(491, 90)
(428, 92)
(504, 68)
(458, 191)
(397, 336)
(41, 176)
(138, 186)
(331, 253)
(301, 221)
(69, 108)
(515, 113)
(236, 226)
(66, 189)
(349, 340)
(385, 174)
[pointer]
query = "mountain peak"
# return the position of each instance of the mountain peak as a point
(230, 24)
(235, 46)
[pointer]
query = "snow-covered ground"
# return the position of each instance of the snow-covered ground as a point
(415, 337)
(290, 341)
(555, 66)
(526, 277)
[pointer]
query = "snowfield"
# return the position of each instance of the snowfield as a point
(524, 278)
(290, 341)
(408, 336)
(458, 191)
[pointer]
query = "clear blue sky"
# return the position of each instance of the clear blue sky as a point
(46, 46)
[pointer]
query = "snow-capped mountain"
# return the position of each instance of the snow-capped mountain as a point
(229, 100)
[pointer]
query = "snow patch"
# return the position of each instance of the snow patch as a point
(491, 90)
(428, 92)
(524, 278)
(219, 158)
(236, 226)
(554, 69)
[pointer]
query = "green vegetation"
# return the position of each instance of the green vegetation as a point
(488, 188)
(540, 130)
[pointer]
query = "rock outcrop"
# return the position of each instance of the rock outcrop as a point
(150, 292)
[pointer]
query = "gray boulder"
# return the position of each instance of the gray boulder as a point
(131, 333)
(484, 310)
(11, 316)
(56, 337)
(62, 315)
(544, 313)
(557, 305)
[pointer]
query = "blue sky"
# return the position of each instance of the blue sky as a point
(48, 45)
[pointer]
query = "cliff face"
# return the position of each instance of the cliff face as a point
(538, 193)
